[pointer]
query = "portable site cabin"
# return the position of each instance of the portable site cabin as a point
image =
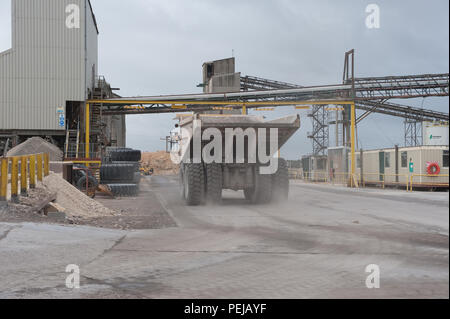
(395, 166)
(315, 168)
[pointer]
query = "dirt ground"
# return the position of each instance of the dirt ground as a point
(142, 212)
(316, 245)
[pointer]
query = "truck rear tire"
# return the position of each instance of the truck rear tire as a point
(261, 193)
(182, 188)
(213, 183)
(194, 184)
(280, 182)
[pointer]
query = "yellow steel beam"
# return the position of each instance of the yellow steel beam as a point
(3, 178)
(268, 109)
(33, 171)
(15, 179)
(87, 130)
(39, 167)
(353, 150)
(221, 103)
(46, 164)
(179, 107)
(23, 175)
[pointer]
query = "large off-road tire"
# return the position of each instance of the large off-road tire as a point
(125, 155)
(214, 183)
(87, 184)
(136, 165)
(124, 190)
(117, 173)
(182, 188)
(194, 184)
(261, 193)
(280, 182)
(248, 192)
(137, 178)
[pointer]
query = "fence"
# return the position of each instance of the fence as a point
(430, 183)
(23, 171)
(408, 181)
(78, 150)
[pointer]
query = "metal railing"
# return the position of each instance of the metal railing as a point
(427, 183)
(22, 171)
(78, 151)
(383, 180)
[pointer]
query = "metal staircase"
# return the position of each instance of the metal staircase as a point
(72, 147)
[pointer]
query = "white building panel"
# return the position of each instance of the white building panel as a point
(47, 64)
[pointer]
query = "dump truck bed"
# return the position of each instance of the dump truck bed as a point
(287, 126)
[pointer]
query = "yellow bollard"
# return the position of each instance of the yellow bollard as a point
(3, 179)
(23, 176)
(33, 171)
(39, 167)
(46, 164)
(15, 179)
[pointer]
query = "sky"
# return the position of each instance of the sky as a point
(149, 47)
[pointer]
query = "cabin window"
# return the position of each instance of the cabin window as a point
(445, 159)
(404, 159)
(387, 160)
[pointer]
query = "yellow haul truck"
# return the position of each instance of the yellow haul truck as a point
(236, 152)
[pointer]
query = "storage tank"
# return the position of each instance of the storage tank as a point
(435, 134)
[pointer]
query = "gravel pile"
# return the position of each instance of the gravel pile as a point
(36, 145)
(160, 162)
(76, 203)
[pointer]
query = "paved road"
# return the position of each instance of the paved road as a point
(315, 246)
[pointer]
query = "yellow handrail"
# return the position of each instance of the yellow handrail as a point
(29, 166)
(427, 175)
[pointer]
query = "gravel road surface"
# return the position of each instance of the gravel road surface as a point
(317, 245)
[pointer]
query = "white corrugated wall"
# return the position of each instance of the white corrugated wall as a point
(45, 67)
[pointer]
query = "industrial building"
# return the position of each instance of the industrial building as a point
(49, 73)
(220, 76)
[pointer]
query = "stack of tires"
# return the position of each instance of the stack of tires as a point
(120, 171)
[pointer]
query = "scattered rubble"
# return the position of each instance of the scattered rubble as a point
(73, 207)
(37, 145)
(75, 203)
(160, 162)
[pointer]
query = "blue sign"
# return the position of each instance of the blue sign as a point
(62, 120)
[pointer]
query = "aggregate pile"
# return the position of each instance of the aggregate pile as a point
(75, 203)
(37, 145)
(160, 162)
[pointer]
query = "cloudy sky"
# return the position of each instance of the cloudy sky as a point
(149, 47)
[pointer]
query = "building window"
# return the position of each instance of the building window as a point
(404, 159)
(445, 159)
(387, 160)
(358, 161)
